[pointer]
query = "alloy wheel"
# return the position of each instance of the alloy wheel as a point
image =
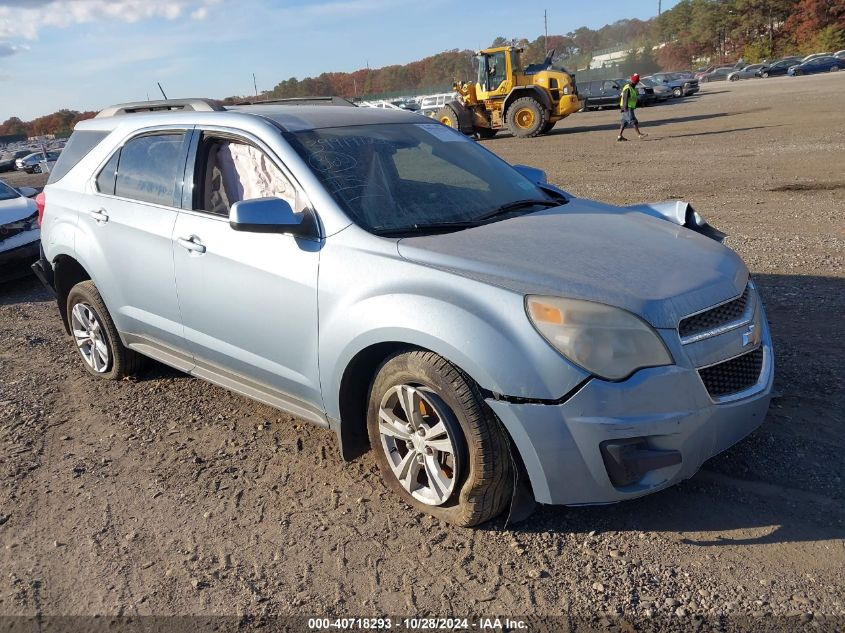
(416, 430)
(90, 337)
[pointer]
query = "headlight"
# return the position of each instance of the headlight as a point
(606, 341)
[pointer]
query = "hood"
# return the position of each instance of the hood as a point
(16, 209)
(588, 250)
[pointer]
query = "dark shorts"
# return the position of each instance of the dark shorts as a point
(629, 118)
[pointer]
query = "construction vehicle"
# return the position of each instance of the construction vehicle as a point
(527, 101)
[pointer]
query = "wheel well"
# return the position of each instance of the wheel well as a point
(354, 391)
(527, 91)
(67, 273)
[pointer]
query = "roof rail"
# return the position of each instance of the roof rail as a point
(332, 101)
(167, 105)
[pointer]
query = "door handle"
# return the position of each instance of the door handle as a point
(191, 243)
(100, 216)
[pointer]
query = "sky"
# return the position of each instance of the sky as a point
(87, 54)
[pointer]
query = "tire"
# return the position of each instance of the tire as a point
(36, 169)
(547, 127)
(85, 306)
(485, 132)
(734, 78)
(474, 481)
(677, 93)
(447, 116)
(834, 69)
(526, 117)
(765, 75)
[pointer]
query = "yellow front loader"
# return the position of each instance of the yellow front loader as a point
(527, 101)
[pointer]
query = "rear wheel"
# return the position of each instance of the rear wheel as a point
(765, 75)
(436, 443)
(96, 337)
(833, 69)
(526, 117)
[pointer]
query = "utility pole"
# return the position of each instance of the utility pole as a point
(659, 6)
(255, 85)
(546, 31)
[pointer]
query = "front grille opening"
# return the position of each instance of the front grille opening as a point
(715, 317)
(733, 376)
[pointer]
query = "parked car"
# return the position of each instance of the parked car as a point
(661, 91)
(815, 56)
(703, 71)
(749, 72)
(817, 65)
(19, 232)
(471, 323)
(604, 93)
(31, 163)
(680, 85)
(718, 74)
(780, 67)
(432, 103)
(7, 161)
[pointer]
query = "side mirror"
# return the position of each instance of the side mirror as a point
(27, 192)
(537, 176)
(271, 215)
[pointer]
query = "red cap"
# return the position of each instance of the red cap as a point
(635, 78)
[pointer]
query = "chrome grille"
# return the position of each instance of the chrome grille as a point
(733, 376)
(715, 317)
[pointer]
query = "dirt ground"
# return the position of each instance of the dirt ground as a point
(167, 495)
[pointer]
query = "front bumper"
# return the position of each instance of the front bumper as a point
(560, 445)
(15, 262)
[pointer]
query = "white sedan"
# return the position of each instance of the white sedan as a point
(20, 233)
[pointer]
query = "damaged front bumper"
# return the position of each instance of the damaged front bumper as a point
(614, 441)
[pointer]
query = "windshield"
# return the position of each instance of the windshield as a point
(399, 176)
(7, 193)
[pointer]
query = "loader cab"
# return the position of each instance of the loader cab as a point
(495, 68)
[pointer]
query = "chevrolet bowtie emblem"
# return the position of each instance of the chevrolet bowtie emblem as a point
(749, 336)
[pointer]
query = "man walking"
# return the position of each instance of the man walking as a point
(628, 103)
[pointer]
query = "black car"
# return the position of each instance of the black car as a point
(603, 93)
(780, 67)
(7, 160)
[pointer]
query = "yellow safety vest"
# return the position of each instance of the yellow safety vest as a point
(632, 96)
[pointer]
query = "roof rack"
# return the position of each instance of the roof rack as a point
(167, 105)
(330, 101)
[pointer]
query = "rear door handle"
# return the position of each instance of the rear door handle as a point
(100, 216)
(192, 243)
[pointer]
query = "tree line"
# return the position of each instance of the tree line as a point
(692, 33)
(59, 123)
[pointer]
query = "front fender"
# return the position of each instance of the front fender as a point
(681, 213)
(380, 298)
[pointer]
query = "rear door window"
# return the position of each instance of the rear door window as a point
(149, 168)
(105, 179)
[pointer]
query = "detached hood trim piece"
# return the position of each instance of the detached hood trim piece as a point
(596, 252)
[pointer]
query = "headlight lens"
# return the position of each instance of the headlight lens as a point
(606, 341)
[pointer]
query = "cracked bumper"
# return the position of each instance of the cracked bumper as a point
(668, 406)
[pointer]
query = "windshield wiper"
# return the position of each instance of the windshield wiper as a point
(431, 227)
(518, 205)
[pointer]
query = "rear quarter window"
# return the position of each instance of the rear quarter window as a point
(77, 148)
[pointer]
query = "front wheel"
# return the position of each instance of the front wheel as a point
(447, 116)
(765, 75)
(677, 92)
(438, 446)
(36, 169)
(96, 337)
(834, 69)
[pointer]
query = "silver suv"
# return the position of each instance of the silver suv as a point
(493, 338)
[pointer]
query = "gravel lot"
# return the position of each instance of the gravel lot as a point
(167, 495)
